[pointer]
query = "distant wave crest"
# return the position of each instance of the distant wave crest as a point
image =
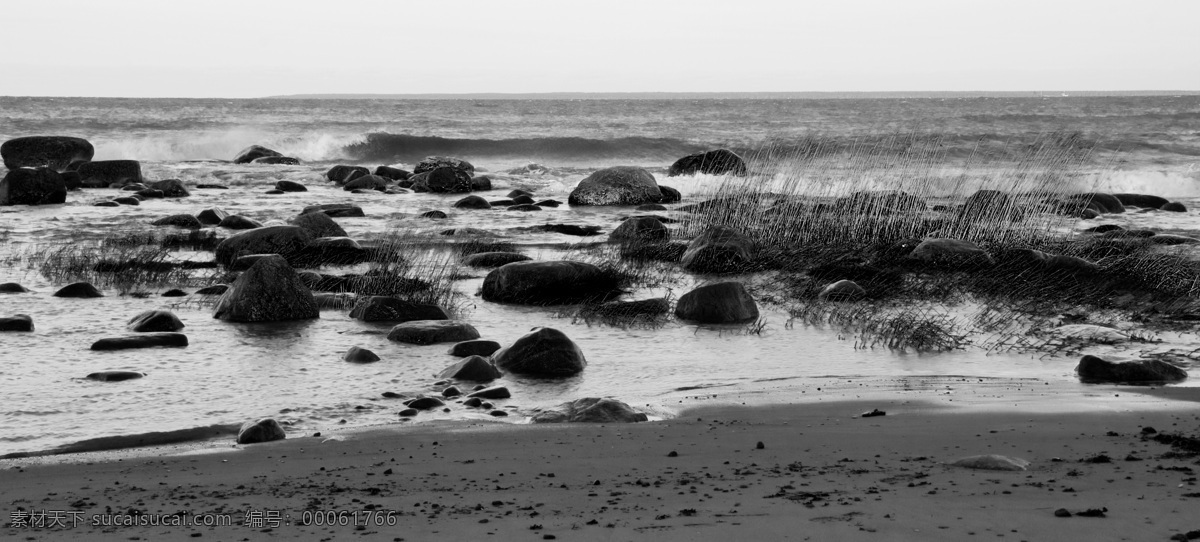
(388, 147)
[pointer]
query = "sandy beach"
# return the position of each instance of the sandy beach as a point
(822, 472)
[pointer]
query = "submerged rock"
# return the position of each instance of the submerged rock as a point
(78, 289)
(954, 253)
(1095, 369)
(441, 180)
(619, 185)
(335, 210)
(432, 331)
(253, 152)
(155, 320)
(494, 259)
(277, 160)
(342, 174)
(185, 221)
(12, 288)
(16, 322)
(477, 347)
(473, 368)
(368, 182)
(115, 376)
(590, 410)
(319, 225)
(494, 392)
(391, 309)
(360, 355)
(1174, 207)
(239, 222)
(395, 174)
(267, 292)
(211, 216)
(142, 340)
(472, 202)
(264, 430)
(640, 229)
(290, 186)
(543, 352)
(720, 303)
(54, 152)
(171, 188)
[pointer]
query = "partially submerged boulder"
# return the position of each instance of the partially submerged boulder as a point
(253, 152)
(714, 162)
(590, 410)
(105, 173)
(547, 283)
(155, 320)
(185, 221)
(1141, 200)
(472, 202)
(16, 322)
(442, 180)
(1096, 369)
(640, 229)
(618, 185)
(282, 240)
(720, 303)
(369, 182)
(431, 163)
(543, 352)
(30, 186)
(477, 347)
(319, 225)
(432, 331)
(79, 290)
(360, 355)
(54, 152)
(142, 340)
(342, 174)
(842, 290)
(115, 376)
(171, 188)
(335, 210)
(239, 222)
(391, 309)
(494, 259)
(474, 368)
(264, 430)
(718, 250)
(267, 292)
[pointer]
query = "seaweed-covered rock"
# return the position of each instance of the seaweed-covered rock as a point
(714, 162)
(590, 410)
(720, 303)
(253, 152)
(1096, 369)
(718, 250)
(267, 292)
(264, 430)
(547, 283)
(474, 368)
(432, 331)
(390, 309)
(32, 186)
(282, 240)
(142, 340)
(155, 320)
(618, 185)
(54, 152)
(543, 352)
(105, 173)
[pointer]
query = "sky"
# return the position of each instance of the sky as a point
(254, 48)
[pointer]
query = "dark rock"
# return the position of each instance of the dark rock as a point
(517, 192)
(211, 216)
(54, 152)
(474, 368)
(170, 188)
(277, 160)
(185, 221)
(720, 303)
(107, 173)
(1095, 369)
(640, 229)
(477, 347)
(155, 320)
(1172, 239)
(290, 186)
(432, 331)
(391, 309)
(494, 259)
(472, 202)
(669, 195)
(78, 289)
(267, 292)
(548, 203)
(32, 186)
(522, 200)
(441, 180)
(1141, 200)
(216, 289)
(482, 183)
(474, 402)
(12, 288)
(335, 210)
(523, 207)
(141, 340)
(330, 251)
(433, 214)
(409, 412)
(368, 182)
(174, 292)
(211, 186)
(247, 261)
(431, 163)
(360, 355)
(989, 204)
(239, 222)
(718, 250)
(592, 410)
(715, 162)
(661, 252)
(1104, 228)
(392, 173)
(128, 200)
(1100, 202)
(553, 282)
(106, 204)
(451, 391)
(16, 322)
(630, 309)
(543, 352)
(1029, 259)
(149, 193)
(842, 290)
(494, 392)
(319, 225)
(501, 203)
(570, 229)
(342, 174)
(424, 403)
(619, 185)
(264, 430)
(1174, 207)
(952, 253)
(115, 376)
(253, 152)
(72, 180)
(282, 240)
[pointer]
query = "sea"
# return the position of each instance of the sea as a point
(293, 371)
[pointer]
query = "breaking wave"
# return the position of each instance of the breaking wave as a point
(410, 148)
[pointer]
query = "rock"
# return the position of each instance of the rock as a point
(171, 188)
(269, 291)
(569, 229)
(1095, 369)
(211, 216)
(141, 340)
(523, 207)
(640, 229)
(1024, 259)
(149, 193)
(517, 192)
(106, 204)
(16, 322)
(984, 205)
(128, 201)
(1174, 207)
(879, 202)
(330, 251)
(155, 320)
(842, 290)
(715, 162)
(319, 225)
(472, 202)
(424, 403)
(12, 288)
(591, 410)
(342, 174)
(432, 331)
(473, 402)
(174, 292)
(474, 368)
(1100, 202)
(282, 240)
(246, 261)
(54, 152)
(991, 462)
(239, 222)
(482, 183)
(185, 221)
(441, 180)
(548, 203)
(494, 259)
(669, 195)
(451, 391)
(543, 352)
(720, 303)
(252, 153)
(30, 186)
(105, 173)
(290, 186)
(547, 283)
(264, 430)
(431, 163)
(629, 309)
(953, 253)
(360, 355)
(216, 289)
(115, 376)
(619, 185)
(718, 250)
(494, 392)
(392, 173)
(391, 309)
(369, 182)
(78, 289)
(1141, 200)
(433, 214)
(335, 210)
(477, 347)
(277, 160)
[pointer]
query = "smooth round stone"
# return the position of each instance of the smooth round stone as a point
(432, 331)
(78, 289)
(360, 355)
(12, 288)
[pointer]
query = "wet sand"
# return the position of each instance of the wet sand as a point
(822, 473)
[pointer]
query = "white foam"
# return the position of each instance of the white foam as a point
(222, 145)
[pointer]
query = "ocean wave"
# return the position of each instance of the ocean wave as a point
(388, 147)
(222, 145)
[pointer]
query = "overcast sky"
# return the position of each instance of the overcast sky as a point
(249, 48)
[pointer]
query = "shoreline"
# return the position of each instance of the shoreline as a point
(823, 473)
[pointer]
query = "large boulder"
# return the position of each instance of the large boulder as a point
(252, 153)
(319, 225)
(432, 331)
(32, 186)
(142, 340)
(170, 188)
(342, 174)
(267, 292)
(54, 152)
(590, 410)
(543, 352)
(442, 180)
(16, 322)
(1095, 369)
(379, 308)
(155, 320)
(283, 240)
(475, 368)
(618, 185)
(718, 250)
(431, 163)
(953, 253)
(640, 229)
(107, 173)
(1141, 200)
(547, 283)
(714, 162)
(264, 430)
(720, 303)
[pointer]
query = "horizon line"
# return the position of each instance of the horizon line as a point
(669, 94)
